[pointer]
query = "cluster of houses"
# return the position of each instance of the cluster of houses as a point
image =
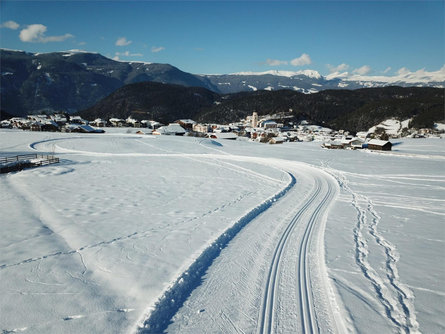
(52, 123)
(276, 129)
(273, 129)
(355, 143)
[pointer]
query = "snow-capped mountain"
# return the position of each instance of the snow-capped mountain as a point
(309, 73)
(74, 80)
(309, 81)
(405, 78)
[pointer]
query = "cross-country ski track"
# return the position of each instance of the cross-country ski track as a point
(298, 218)
(183, 235)
(307, 316)
(308, 292)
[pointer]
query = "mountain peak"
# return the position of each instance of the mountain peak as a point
(403, 77)
(309, 73)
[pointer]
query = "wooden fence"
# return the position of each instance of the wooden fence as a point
(20, 162)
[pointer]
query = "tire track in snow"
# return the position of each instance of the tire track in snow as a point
(399, 309)
(159, 317)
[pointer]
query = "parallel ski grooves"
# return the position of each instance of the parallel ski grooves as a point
(173, 299)
(309, 323)
(267, 310)
(308, 318)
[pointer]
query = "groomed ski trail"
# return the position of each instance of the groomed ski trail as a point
(300, 231)
(266, 320)
(308, 216)
(300, 226)
(173, 298)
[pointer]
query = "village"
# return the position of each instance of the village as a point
(271, 129)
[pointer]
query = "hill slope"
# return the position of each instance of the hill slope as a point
(353, 110)
(153, 100)
(72, 81)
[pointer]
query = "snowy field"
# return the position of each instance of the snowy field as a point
(149, 234)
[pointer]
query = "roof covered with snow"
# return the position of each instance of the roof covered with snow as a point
(172, 128)
(378, 142)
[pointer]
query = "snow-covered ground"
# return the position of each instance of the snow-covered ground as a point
(392, 127)
(191, 235)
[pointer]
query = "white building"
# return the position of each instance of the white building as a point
(254, 120)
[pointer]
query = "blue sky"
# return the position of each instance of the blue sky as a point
(366, 37)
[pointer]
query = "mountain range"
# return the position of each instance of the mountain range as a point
(71, 81)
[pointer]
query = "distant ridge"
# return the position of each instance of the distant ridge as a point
(309, 81)
(74, 80)
(289, 74)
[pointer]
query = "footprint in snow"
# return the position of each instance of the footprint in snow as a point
(72, 317)
(16, 330)
(125, 310)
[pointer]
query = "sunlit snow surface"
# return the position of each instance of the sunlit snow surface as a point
(90, 245)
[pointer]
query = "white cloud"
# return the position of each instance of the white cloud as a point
(362, 70)
(56, 38)
(35, 33)
(304, 59)
(122, 41)
(275, 62)
(403, 71)
(128, 54)
(339, 68)
(387, 70)
(10, 25)
(156, 49)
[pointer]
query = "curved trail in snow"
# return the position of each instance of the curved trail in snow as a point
(173, 299)
(309, 215)
(302, 232)
(309, 320)
(267, 313)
